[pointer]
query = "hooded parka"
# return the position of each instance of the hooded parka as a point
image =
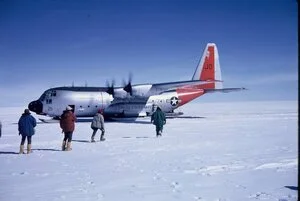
(98, 122)
(158, 118)
(26, 124)
(67, 121)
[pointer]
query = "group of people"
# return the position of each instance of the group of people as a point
(27, 124)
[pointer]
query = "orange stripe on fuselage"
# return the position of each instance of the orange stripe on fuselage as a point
(185, 95)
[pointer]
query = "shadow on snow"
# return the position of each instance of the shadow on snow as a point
(8, 152)
(295, 188)
(12, 152)
(84, 141)
(46, 150)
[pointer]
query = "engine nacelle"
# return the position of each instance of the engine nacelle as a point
(138, 91)
(120, 93)
(141, 90)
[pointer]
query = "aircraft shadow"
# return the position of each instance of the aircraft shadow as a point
(295, 188)
(8, 152)
(79, 120)
(186, 117)
(133, 121)
(128, 122)
(38, 122)
(83, 120)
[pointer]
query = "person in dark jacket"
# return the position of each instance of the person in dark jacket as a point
(67, 124)
(158, 118)
(26, 126)
(98, 123)
(0, 129)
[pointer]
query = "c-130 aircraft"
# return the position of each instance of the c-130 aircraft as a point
(135, 100)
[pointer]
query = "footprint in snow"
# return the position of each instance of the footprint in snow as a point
(260, 195)
(19, 173)
(100, 196)
(175, 187)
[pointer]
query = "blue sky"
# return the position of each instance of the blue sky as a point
(51, 43)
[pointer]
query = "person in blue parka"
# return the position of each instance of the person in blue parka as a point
(26, 126)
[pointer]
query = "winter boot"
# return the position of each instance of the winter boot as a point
(102, 137)
(68, 146)
(93, 135)
(158, 134)
(63, 146)
(29, 149)
(21, 149)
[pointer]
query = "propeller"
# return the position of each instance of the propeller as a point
(110, 87)
(128, 87)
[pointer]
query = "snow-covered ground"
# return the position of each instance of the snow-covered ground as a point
(220, 151)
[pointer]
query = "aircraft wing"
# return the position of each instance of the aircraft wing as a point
(225, 90)
(169, 86)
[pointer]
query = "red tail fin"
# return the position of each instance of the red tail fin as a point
(209, 67)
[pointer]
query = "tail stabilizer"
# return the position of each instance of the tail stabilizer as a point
(208, 68)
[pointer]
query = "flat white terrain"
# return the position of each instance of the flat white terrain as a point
(216, 152)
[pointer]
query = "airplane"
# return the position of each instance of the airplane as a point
(138, 100)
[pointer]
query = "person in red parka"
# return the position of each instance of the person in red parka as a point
(67, 124)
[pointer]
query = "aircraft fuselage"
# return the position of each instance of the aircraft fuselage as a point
(86, 101)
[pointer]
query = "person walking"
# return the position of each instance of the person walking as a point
(67, 124)
(98, 123)
(158, 118)
(0, 129)
(26, 126)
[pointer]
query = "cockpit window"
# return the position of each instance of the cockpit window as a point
(53, 93)
(43, 96)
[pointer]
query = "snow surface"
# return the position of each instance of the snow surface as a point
(219, 151)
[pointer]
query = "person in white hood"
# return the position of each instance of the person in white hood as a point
(98, 123)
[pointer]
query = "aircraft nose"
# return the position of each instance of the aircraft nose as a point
(36, 106)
